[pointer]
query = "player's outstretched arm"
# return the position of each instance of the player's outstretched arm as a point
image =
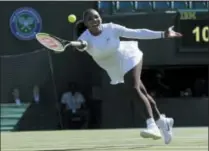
(122, 31)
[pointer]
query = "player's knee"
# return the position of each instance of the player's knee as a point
(135, 90)
(132, 88)
(153, 103)
(143, 90)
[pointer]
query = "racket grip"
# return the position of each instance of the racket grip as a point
(79, 43)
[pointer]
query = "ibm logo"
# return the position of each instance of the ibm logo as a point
(188, 15)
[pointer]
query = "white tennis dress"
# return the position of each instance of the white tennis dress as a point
(114, 56)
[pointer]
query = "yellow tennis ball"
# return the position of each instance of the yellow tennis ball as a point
(71, 18)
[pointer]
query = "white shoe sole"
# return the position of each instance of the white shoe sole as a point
(145, 134)
(171, 123)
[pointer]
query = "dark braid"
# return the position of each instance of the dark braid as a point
(80, 28)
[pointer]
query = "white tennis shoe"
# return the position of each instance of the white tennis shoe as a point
(166, 125)
(152, 130)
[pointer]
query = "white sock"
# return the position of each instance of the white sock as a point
(36, 98)
(162, 118)
(150, 122)
(18, 102)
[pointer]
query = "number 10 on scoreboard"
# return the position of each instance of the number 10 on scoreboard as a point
(201, 33)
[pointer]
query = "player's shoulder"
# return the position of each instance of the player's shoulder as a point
(112, 26)
(108, 25)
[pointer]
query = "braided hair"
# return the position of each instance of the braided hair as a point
(80, 28)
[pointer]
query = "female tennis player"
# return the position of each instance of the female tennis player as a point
(122, 61)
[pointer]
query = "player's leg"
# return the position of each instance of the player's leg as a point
(165, 124)
(156, 112)
(132, 83)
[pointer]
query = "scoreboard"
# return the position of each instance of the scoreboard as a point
(194, 25)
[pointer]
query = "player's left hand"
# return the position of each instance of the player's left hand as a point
(170, 33)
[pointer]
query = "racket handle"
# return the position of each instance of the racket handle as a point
(78, 43)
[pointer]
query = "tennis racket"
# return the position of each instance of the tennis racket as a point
(54, 43)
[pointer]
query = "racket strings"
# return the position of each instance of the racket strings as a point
(50, 42)
(63, 41)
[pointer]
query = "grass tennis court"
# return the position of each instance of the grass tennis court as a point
(190, 139)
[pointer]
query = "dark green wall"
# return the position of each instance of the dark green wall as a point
(123, 113)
